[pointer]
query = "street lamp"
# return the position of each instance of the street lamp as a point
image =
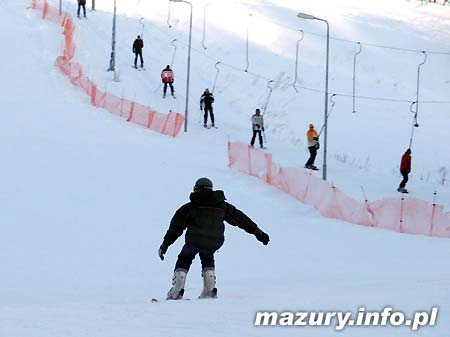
(312, 17)
(188, 66)
(112, 60)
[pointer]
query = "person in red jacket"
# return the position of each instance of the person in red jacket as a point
(167, 79)
(405, 169)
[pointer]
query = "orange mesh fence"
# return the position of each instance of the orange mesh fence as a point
(167, 124)
(403, 215)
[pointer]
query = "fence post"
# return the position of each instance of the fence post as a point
(401, 215)
(432, 214)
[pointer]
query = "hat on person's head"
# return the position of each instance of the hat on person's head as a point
(203, 184)
(258, 111)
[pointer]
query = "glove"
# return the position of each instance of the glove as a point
(161, 251)
(262, 237)
(316, 138)
(134, 52)
(201, 108)
(262, 128)
(258, 126)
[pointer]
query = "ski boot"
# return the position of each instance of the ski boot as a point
(178, 281)
(402, 190)
(209, 284)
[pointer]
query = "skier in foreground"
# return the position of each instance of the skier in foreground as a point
(405, 169)
(203, 218)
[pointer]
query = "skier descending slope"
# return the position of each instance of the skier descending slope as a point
(203, 217)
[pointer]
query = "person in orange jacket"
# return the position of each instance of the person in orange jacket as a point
(313, 146)
(405, 169)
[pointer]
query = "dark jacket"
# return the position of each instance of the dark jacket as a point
(82, 2)
(138, 45)
(203, 217)
(207, 99)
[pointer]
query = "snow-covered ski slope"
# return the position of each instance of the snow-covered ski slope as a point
(86, 198)
(366, 145)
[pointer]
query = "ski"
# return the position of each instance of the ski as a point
(155, 300)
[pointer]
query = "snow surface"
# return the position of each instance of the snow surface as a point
(86, 198)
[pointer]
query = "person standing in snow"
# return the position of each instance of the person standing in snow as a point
(138, 44)
(81, 4)
(206, 102)
(203, 218)
(257, 127)
(405, 169)
(313, 146)
(167, 79)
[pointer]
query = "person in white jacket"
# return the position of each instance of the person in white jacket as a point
(258, 127)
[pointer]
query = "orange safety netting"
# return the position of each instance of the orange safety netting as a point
(167, 124)
(404, 215)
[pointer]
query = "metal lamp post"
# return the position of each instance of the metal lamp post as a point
(112, 61)
(311, 17)
(188, 66)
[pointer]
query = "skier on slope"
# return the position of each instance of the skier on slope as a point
(203, 218)
(138, 44)
(405, 169)
(313, 146)
(257, 127)
(167, 79)
(206, 102)
(81, 4)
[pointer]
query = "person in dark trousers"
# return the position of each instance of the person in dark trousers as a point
(138, 44)
(167, 79)
(81, 4)
(203, 218)
(405, 169)
(257, 127)
(206, 102)
(313, 145)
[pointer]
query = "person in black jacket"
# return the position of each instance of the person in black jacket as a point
(81, 3)
(206, 102)
(138, 44)
(203, 218)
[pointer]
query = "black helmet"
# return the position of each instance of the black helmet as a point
(203, 184)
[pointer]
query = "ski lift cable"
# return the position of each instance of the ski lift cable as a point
(237, 69)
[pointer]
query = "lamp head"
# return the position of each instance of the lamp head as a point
(302, 16)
